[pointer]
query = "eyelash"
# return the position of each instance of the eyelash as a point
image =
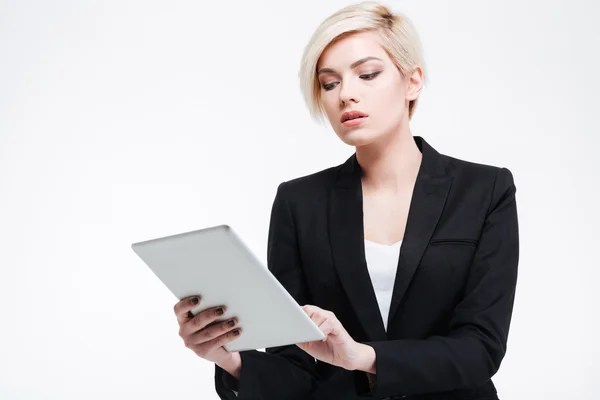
(367, 77)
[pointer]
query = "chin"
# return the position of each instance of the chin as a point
(357, 137)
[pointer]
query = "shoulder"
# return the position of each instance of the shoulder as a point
(491, 181)
(465, 169)
(313, 187)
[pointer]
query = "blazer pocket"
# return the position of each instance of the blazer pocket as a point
(463, 242)
(447, 258)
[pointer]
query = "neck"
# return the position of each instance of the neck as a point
(391, 162)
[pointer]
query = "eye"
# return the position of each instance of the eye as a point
(329, 86)
(368, 77)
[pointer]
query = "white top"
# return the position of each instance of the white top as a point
(382, 262)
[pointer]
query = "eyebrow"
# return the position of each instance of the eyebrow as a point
(352, 66)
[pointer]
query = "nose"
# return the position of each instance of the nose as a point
(348, 94)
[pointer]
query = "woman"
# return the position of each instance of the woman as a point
(405, 258)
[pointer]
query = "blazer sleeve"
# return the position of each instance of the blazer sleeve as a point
(473, 350)
(284, 372)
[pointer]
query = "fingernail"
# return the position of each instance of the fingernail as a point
(219, 311)
(231, 323)
(195, 300)
(236, 332)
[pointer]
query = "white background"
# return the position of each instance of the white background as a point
(122, 121)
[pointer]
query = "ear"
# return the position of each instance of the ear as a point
(414, 84)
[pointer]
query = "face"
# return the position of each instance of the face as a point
(356, 75)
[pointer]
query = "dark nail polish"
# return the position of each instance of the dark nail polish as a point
(236, 332)
(219, 311)
(231, 323)
(195, 300)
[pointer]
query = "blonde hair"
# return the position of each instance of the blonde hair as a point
(398, 36)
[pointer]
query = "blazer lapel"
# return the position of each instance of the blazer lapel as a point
(346, 233)
(428, 200)
(347, 245)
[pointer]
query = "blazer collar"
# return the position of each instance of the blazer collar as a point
(346, 233)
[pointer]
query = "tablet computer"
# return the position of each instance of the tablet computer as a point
(216, 264)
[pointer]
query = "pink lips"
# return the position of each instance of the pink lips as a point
(353, 118)
(351, 115)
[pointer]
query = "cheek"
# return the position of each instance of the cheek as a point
(329, 104)
(391, 96)
(389, 105)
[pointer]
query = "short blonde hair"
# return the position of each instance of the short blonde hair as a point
(398, 36)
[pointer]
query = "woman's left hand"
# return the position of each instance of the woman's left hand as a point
(338, 348)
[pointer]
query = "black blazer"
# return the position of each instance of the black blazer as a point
(453, 293)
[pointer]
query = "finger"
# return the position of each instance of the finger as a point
(313, 311)
(319, 318)
(316, 314)
(202, 320)
(328, 327)
(310, 309)
(182, 308)
(206, 348)
(209, 333)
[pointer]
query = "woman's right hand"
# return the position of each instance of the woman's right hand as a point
(202, 337)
